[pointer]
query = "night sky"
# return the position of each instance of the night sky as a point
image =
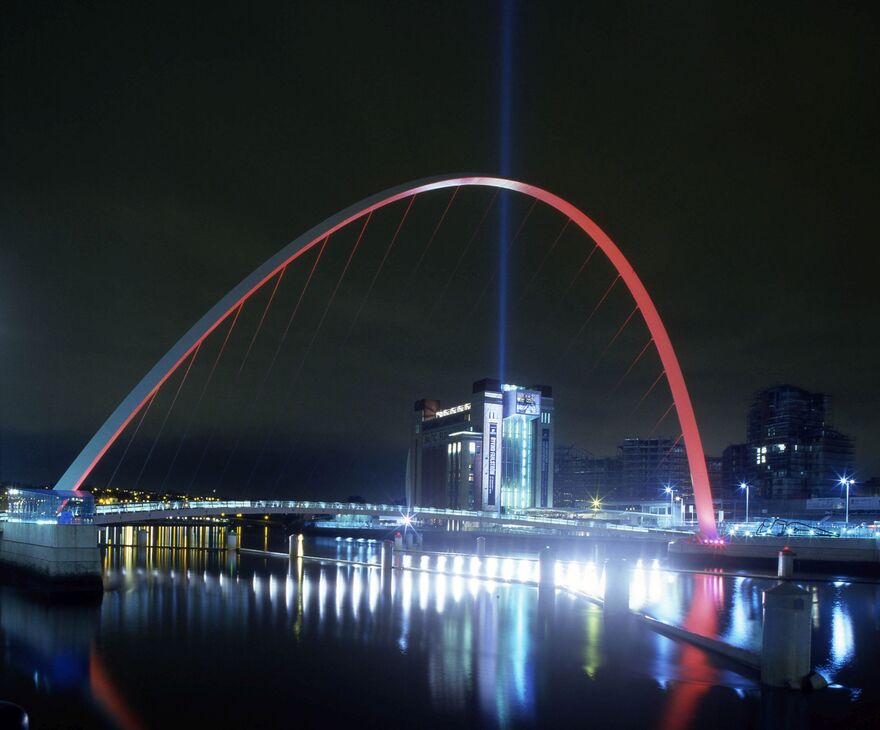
(151, 158)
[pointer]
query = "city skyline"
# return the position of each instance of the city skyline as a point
(776, 299)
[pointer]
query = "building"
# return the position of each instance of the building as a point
(580, 477)
(793, 452)
(571, 466)
(715, 470)
(493, 453)
(735, 468)
(648, 465)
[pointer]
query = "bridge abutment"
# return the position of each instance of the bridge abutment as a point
(62, 557)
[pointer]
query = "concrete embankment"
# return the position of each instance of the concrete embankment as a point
(815, 552)
(54, 557)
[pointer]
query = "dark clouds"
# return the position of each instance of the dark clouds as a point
(152, 158)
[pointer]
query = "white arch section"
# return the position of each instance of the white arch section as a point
(107, 434)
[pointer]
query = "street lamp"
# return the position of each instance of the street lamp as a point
(669, 490)
(743, 485)
(847, 482)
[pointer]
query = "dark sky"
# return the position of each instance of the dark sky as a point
(151, 158)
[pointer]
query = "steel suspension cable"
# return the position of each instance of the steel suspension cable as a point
(167, 414)
(592, 314)
(266, 375)
(312, 340)
(379, 269)
(647, 393)
(513, 240)
(434, 233)
(262, 319)
(581, 269)
(201, 396)
(128, 445)
(632, 365)
(462, 255)
(661, 419)
(545, 258)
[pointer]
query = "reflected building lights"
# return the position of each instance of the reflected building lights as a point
(457, 588)
(424, 590)
(357, 577)
(373, 585)
(842, 643)
(440, 591)
(322, 594)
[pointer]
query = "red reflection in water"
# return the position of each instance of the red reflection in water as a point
(702, 618)
(109, 696)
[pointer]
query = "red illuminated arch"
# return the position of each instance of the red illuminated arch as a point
(153, 380)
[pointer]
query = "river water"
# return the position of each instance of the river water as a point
(197, 638)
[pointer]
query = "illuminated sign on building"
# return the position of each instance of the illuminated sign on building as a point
(522, 402)
(493, 454)
(450, 411)
(545, 466)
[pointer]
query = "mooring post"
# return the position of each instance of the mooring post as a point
(785, 641)
(295, 546)
(785, 566)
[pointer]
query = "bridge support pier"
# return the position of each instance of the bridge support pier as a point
(387, 562)
(231, 540)
(143, 537)
(60, 557)
(547, 570)
(481, 547)
(295, 546)
(617, 579)
(785, 640)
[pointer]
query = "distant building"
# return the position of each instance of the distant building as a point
(793, 452)
(647, 465)
(715, 470)
(570, 476)
(735, 468)
(493, 453)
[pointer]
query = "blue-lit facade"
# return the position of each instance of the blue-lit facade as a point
(493, 453)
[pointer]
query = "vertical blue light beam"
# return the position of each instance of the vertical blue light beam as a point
(504, 136)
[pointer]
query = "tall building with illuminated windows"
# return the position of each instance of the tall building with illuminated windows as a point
(493, 453)
(793, 452)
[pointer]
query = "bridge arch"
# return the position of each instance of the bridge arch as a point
(105, 436)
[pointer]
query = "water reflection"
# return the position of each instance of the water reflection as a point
(469, 644)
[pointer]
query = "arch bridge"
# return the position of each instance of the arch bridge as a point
(134, 402)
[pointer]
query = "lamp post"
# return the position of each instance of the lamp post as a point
(743, 485)
(670, 491)
(847, 482)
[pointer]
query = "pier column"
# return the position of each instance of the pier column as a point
(481, 547)
(785, 566)
(617, 580)
(231, 540)
(295, 546)
(547, 569)
(785, 641)
(143, 537)
(387, 557)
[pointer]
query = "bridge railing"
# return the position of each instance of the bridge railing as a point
(224, 507)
